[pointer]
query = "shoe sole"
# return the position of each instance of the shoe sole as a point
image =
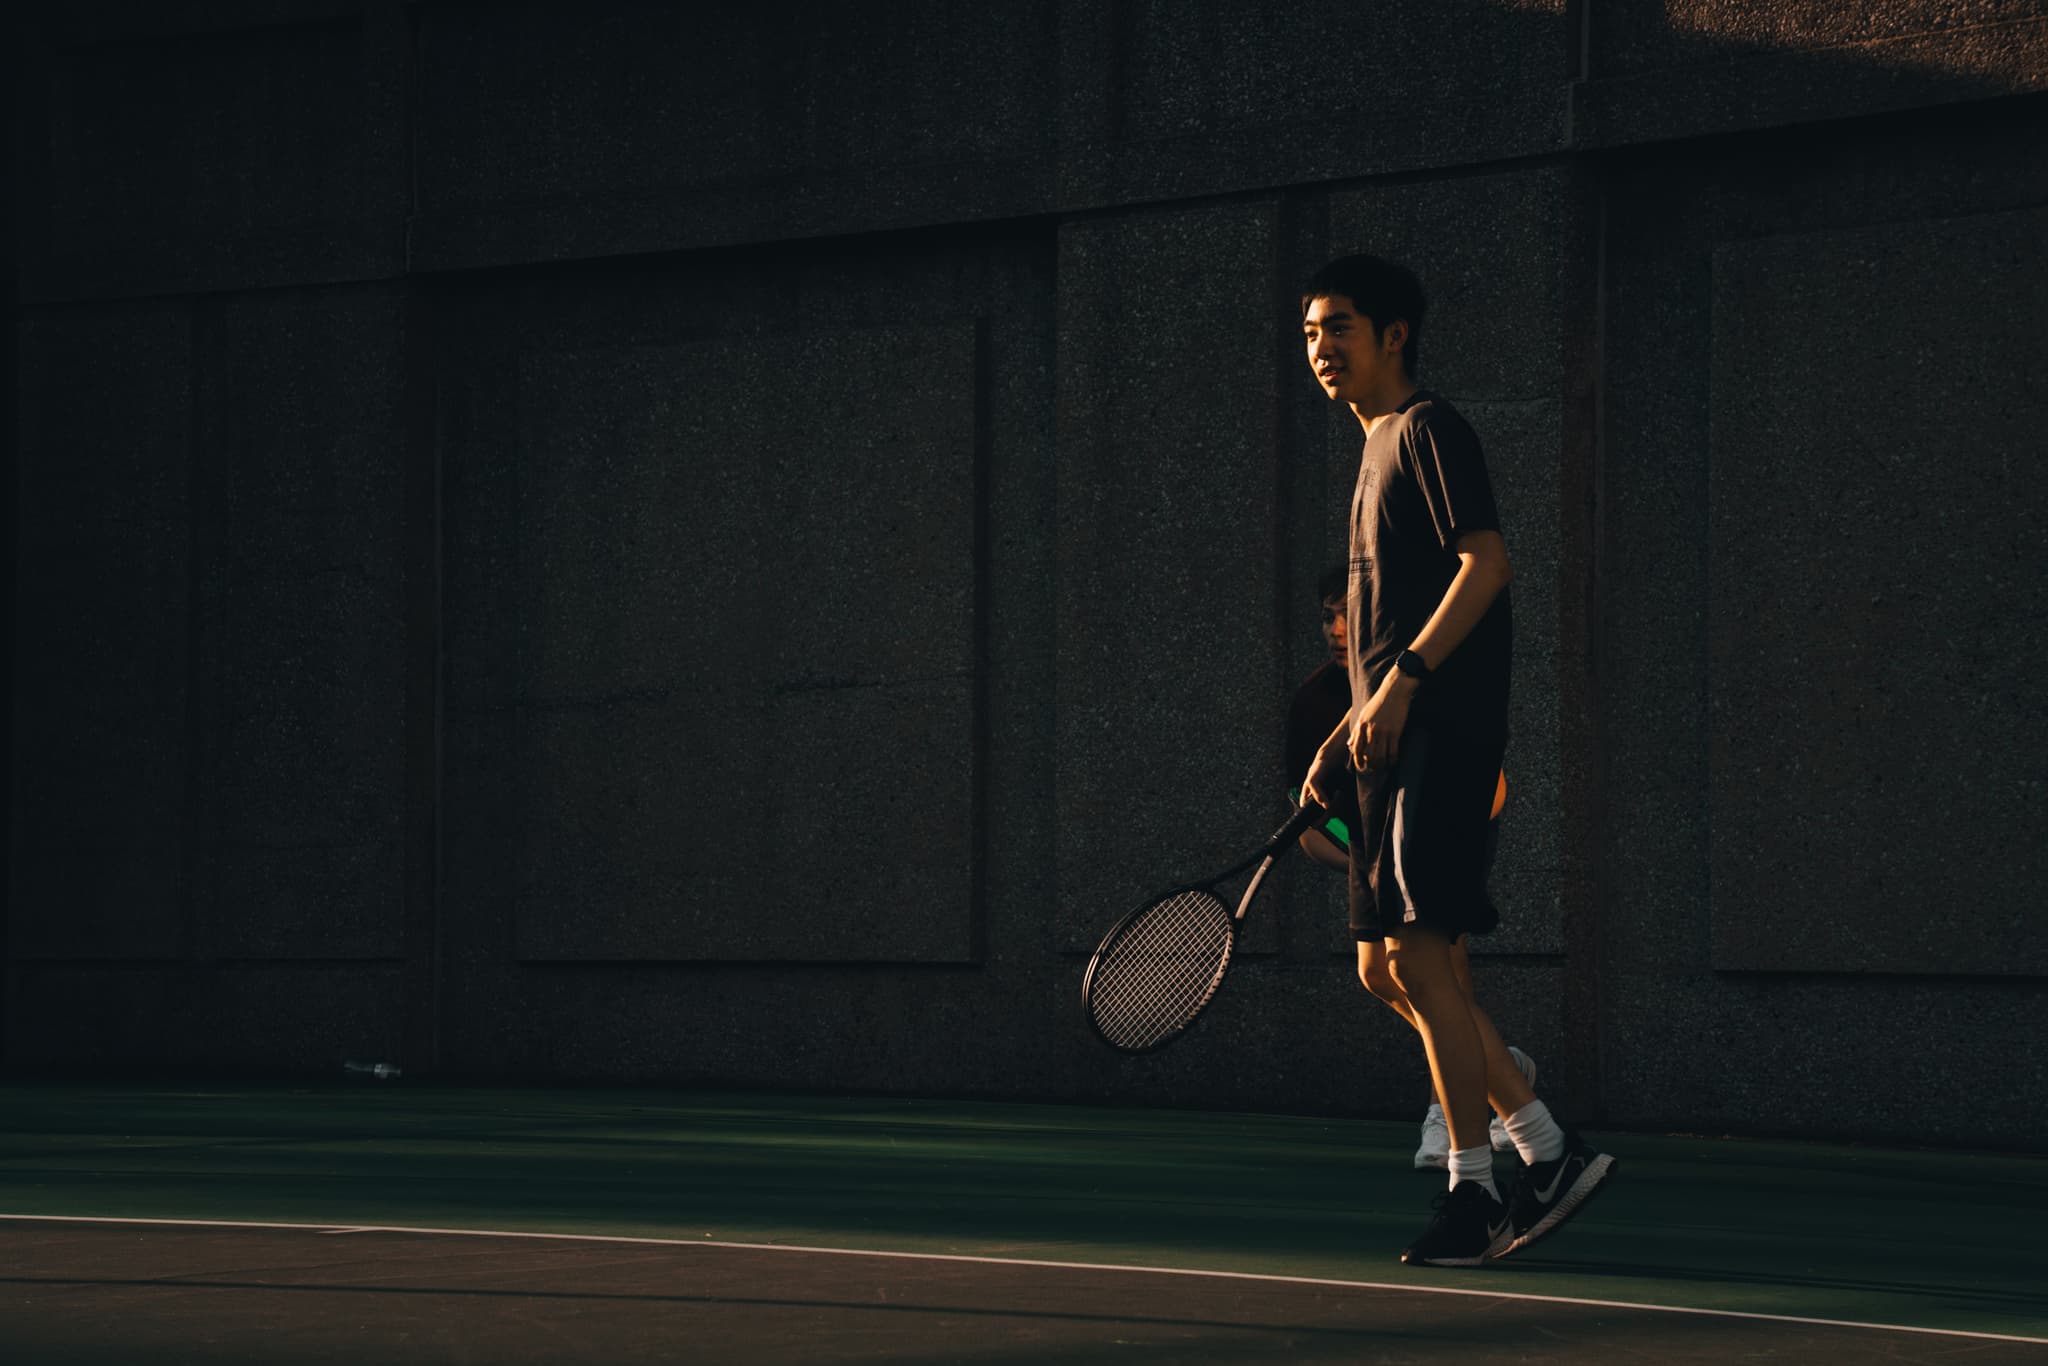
(1585, 1188)
(1495, 1249)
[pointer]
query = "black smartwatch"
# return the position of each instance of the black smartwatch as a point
(1410, 663)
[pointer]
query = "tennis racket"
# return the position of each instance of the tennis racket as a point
(1158, 968)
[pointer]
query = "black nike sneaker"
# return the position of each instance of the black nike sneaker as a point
(1551, 1192)
(1470, 1226)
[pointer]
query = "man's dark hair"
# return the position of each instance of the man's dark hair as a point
(1334, 583)
(1379, 289)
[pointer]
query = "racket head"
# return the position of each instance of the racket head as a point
(1158, 968)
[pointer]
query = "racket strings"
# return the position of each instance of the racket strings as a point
(1155, 978)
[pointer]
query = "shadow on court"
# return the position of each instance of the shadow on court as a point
(113, 1292)
(2019, 1301)
(929, 1225)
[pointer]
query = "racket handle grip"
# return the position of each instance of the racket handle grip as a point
(1305, 815)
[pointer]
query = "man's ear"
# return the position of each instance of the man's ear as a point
(1396, 336)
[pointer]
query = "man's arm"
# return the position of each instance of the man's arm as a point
(1331, 766)
(1483, 571)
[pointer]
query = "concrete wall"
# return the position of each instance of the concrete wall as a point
(584, 542)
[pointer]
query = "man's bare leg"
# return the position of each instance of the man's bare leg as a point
(1378, 978)
(1420, 964)
(1507, 1090)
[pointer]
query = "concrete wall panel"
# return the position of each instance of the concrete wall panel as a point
(1632, 39)
(100, 751)
(745, 581)
(1874, 598)
(1700, 67)
(717, 606)
(267, 1018)
(298, 510)
(1162, 100)
(628, 126)
(170, 153)
(1171, 689)
(1687, 959)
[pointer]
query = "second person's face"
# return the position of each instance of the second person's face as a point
(1334, 629)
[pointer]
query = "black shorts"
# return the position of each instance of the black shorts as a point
(1426, 837)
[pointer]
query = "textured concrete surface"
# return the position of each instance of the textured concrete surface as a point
(1686, 1044)
(741, 694)
(887, 673)
(173, 148)
(1874, 646)
(1634, 39)
(99, 751)
(298, 788)
(302, 1018)
(554, 132)
(554, 102)
(1171, 691)
(185, 147)
(791, 590)
(1165, 101)
(1656, 72)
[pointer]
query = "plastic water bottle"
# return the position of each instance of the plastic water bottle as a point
(382, 1071)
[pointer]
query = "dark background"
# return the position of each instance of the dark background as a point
(723, 543)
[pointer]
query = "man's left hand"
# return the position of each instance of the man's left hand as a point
(1376, 741)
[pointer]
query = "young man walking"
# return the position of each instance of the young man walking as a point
(1428, 625)
(1320, 704)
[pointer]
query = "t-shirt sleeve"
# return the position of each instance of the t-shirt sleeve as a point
(1451, 473)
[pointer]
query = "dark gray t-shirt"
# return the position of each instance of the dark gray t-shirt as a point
(1422, 483)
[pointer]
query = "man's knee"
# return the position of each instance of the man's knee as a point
(1373, 973)
(1420, 962)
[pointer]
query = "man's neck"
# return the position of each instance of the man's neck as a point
(1373, 411)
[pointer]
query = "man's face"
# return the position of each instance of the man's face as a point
(1349, 361)
(1334, 629)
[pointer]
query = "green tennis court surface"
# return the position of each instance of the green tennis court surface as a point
(1931, 1240)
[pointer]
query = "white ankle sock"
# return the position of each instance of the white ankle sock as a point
(1475, 1164)
(1536, 1135)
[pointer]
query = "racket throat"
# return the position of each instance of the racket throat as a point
(1251, 890)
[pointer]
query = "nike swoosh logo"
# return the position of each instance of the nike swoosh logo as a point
(1494, 1231)
(1549, 1193)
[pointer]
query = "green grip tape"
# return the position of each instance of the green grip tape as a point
(1334, 827)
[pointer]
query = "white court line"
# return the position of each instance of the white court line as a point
(1028, 1261)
